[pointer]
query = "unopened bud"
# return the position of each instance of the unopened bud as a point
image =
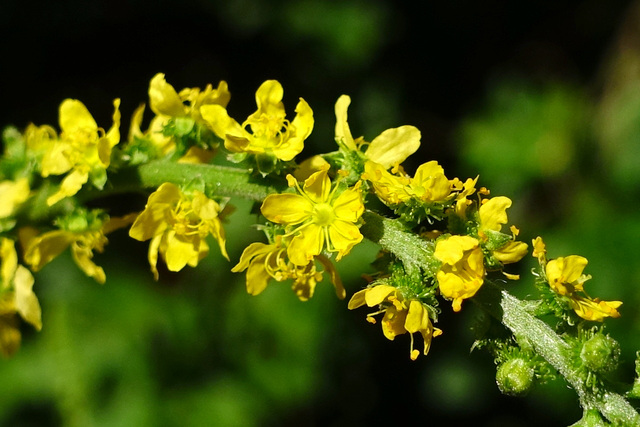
(515, 377)
(600, 353)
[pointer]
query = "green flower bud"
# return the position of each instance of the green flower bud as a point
(600, 353)
(515, 377)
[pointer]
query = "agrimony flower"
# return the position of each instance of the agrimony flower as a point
(565, 277)
(267, 131)
(429, 185)
(82, 150)
(166, 103)
(320, 216)
(401, 315)
(83, 240)
(388, 149)
(492, 215)
(462, 271)
(178, 224)
(265, 262)
(16, 298)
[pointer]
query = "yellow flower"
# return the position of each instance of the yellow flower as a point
(540, 250)
(401, 315)
(388, 149)
(12, 195)
(594, 309)
(492, 215)
(178, 225)
(462, 272)
(167, 103)
(565, 277)
(564, 274)
(429, 184)
(82, 150)
(16, 297)
(267, 131)
(317, 218)
(41, 249)
(265, 262)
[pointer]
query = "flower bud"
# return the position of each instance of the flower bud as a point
(600, 353)
(515, 377)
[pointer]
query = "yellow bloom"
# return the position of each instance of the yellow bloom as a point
(400, 315)
(492, 216)
(429, 184)
(178, 225)
(564, 275)
(265, 262)
(540, 250)
(462, 272)
(12, 195)
(41, 249)
(82, 151)
(167, 103)
(16, 297)
(388, 149)
(317, 218)
(266, 131)
(594, 309)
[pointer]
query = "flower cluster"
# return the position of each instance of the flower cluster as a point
(565, 278)
(441, 238)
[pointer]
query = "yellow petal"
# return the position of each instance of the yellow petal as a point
(286, 208)
(69, 186)
(74, 117)
(344, 236)
(257, 275)
(511, 252)
(180, 251)
(375, 295)
(357, 299)
(221, 124)
(451, 249)
(12, 195)
(26, 301)
(163, 98)
(113, 135)
(253, 250)
(8, 262)
(343, 133)
(44, 248)
(82, 256)
(308, 243)
(299, 130)
(154, 219)
(318, 186)
(393, 146)
(417, 317)
(269, 100)
(348, 206)
(393, 322)
(493, 213)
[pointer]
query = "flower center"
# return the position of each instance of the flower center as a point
(323, 214)
(268, 131)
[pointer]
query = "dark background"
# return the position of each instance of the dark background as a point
(525, 93)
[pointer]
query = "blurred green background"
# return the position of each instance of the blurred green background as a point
(541, 99)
